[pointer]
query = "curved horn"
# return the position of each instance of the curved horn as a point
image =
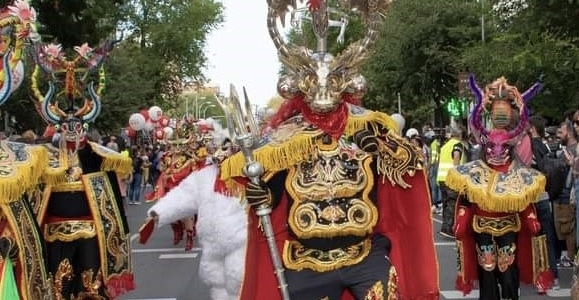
(47, 111)
(274, 34)
(531, 92)
(95, 110)
(476, 115)
(521, 126)
(7, 83)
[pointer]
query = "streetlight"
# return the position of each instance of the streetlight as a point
(197, 98)
(205, 109)
(200, 108)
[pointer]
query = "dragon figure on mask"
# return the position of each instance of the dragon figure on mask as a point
(496, 226)
(81, 212)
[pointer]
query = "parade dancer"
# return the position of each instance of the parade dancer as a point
(221, 225)
(496, 225)
(81, 212)
(345, 189)
(186, 155)
(23, 272)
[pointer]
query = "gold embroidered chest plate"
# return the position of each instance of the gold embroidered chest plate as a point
(330, 193)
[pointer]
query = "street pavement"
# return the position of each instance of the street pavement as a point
(167, 272)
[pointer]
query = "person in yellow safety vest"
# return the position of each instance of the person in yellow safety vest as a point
(433, 173)
(452, 154)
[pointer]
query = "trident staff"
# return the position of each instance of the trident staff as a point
(253, 170)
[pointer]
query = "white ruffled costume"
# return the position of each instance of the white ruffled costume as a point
(221, 229)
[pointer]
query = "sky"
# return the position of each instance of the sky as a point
(241, 53)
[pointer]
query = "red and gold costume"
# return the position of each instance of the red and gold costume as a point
(23, 271)
(345, 189)
(81, 212)
(496, 225)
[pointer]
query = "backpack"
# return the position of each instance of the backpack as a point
(555, 169)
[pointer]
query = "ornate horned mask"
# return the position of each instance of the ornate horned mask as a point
(316, 76)
(508, 116)
(70, 103)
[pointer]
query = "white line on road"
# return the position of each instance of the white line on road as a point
(155, 299)
(162, 250)
(445, 244)
(437, 220)
(475, 294)
(178, 255)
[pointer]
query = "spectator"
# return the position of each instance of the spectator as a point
(112, 144)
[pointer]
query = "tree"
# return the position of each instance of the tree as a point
(417, 55)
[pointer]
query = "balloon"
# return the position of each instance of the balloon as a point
(149, 126)
(168, 132)
(130, 132)
(164, 121)
(137, 122)
(399, 119)
(155, 113)
(145, 113)
(159, 133)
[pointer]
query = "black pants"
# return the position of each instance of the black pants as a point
(448, 207)
(508, 278)
(359, 278)
(83, 256)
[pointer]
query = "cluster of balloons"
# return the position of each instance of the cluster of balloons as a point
(151, 121)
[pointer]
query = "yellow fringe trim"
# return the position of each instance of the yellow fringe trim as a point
(276, 157)
(487, 200)
(25, 175)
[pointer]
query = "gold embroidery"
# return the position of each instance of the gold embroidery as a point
(331, 194)
(398, 157)
(297, 257)
(492, 191)
(496, 226)
(114, 243)
(68, 231)
(75, 186)
(63, 273)
(91, 285)
(506, 257)
(376, 292)
(34, 281)
(539, 253)
(392, 284)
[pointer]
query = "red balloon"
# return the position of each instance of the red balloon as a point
(145, 113)
(164, 121)
(130, 132)
(159, 133)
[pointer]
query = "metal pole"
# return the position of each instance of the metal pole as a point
(482, 21)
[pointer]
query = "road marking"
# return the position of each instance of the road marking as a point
(562, 293)
(437, 220)
(459, 295)
(445, 243)
(154, 299)
(559, 293)
(162, 250)
(178, 255)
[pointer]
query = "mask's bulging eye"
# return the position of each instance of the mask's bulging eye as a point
(57, 127)
(85, 125)
(64, 127)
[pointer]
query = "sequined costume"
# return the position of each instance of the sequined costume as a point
(23, 272)
(345, 188)
(496, 225)
(81, 211)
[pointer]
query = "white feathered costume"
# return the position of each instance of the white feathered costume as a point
(221, 229)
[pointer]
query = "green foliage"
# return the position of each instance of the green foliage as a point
(72, 23)
(417, 56)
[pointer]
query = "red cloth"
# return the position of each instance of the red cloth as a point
(465, 282)
(404, 214)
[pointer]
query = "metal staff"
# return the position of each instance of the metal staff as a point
(247, 140)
